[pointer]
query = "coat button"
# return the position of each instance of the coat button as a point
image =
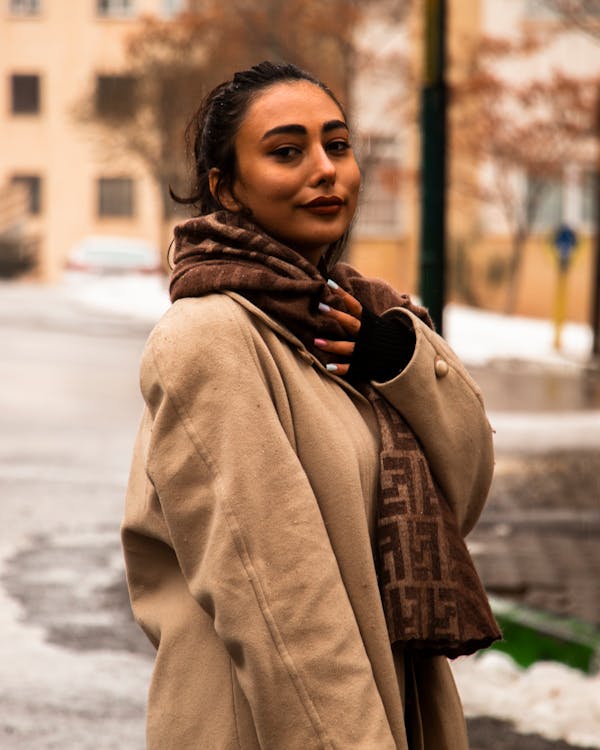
(441, 367)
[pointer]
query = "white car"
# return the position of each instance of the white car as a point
(104, 254)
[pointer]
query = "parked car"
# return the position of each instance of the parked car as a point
(106, 254)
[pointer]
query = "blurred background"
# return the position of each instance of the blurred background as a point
(476, 124)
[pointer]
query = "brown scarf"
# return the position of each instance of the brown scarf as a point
(432, 596)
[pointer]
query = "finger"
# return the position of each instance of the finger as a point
(343, 348)
(352, 304)
(338, 369)
(348, 322)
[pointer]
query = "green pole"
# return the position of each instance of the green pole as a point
(595, 317)
(433, 162)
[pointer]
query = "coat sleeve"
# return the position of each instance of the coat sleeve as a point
(250, 540)
(444, 407)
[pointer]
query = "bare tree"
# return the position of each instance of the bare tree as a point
(583, 15)
(530, 129)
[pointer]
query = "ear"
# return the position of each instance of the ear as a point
(222, 192)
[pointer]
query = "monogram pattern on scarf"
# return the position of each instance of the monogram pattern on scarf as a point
(431, 593)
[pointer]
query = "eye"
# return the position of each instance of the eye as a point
(339, 146)
(285, 153)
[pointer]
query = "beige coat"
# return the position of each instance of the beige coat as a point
(247, 536)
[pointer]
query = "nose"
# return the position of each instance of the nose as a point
(323, 167)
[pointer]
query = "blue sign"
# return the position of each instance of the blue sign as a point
(565, 241)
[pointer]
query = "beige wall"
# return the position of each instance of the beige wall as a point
(66, 45)
(394, 260)
(397, 262)
(537, 287)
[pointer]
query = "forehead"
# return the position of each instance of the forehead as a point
(298, 102)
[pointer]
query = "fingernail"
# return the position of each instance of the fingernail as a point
(323, 307)
(332, 368)
(332, 284)
(320, 342)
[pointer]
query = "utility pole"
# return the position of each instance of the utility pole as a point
(595, 316)
(433, 162)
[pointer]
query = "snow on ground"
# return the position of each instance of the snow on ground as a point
(541, 432)
(479, 337)
(548, 698)
(476, 336)
(134, 296)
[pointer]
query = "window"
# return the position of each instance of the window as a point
(554, 9)
(171, 8)
(24, 7)
(114, 8)
(379, 206)
(545, 199)
(33, 187)
(115, 196)
(539, 9)
(115, 96)
(25, 94)
(589, 198)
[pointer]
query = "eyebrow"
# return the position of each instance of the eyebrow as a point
(301, 130)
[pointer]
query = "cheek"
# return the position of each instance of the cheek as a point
(277, 185)
(266, 181)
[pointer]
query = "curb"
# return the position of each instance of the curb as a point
(532, 635)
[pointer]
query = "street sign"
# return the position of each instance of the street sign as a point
(564, 241)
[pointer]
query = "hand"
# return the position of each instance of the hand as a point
(350, 322)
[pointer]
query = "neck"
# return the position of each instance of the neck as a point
(313, 256)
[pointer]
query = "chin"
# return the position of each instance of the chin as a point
(319, 246)
(319, 240)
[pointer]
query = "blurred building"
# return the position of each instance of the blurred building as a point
(567, 197)
(479, 236)
(53, 53)
(58, 55)
(59, 183)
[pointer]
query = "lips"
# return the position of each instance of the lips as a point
(331, 200)
(329, 205)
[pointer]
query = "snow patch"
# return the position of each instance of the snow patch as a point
(477, 336)
(547, 698)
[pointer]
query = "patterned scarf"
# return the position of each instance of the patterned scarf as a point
(432, 597)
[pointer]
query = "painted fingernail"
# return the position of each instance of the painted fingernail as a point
(320, 342)
(323, 307)
(332, 368)
(332, 284)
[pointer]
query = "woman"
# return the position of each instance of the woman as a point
(293, 551)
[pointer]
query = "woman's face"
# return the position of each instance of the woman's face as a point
(296, 171)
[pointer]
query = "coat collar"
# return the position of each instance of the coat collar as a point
(294, 341)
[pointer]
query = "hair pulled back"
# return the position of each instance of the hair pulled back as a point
(210, 134)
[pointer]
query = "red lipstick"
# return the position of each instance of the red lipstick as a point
(324, 205)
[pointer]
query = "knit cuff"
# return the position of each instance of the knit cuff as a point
(384, 347)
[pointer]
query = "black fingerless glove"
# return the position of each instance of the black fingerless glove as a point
(383, 348)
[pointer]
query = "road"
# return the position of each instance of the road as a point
(74, 669)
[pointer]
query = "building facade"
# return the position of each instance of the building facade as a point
(479, 236)
(54, 53)
(58, 56)
(60, 178)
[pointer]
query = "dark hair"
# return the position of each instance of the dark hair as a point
(211, 133)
